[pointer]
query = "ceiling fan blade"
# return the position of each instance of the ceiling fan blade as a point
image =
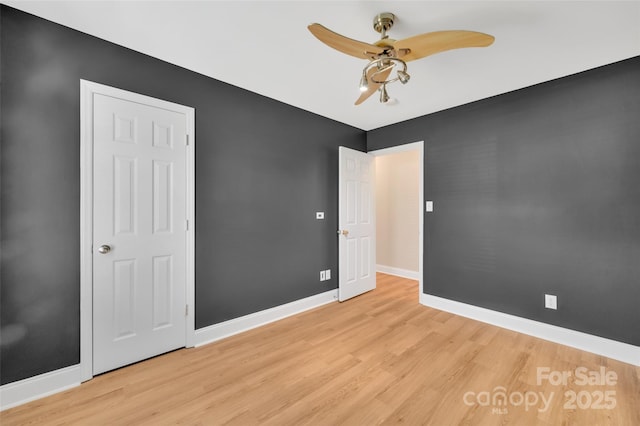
(344, 44)
(440, 41)
(373, 86)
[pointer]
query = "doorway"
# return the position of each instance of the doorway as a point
(402, 215)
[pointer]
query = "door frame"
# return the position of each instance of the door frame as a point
(415, 146)
(87, 91)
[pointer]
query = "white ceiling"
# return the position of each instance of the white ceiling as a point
(265, 47)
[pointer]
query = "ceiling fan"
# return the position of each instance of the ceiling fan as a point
(387, 54)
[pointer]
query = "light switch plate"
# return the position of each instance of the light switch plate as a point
(550, 301)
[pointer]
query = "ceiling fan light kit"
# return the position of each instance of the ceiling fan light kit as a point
(387, 54)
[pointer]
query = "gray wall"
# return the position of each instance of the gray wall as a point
(263, 169)
(537, 191)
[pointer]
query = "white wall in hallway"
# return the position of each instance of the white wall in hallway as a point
(397, 207)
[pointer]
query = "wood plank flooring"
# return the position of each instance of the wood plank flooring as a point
(380, 358)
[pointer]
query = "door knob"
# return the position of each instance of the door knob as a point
(343, 232)
(104, 249)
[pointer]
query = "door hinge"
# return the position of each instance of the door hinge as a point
(186, 310)
(186, 224)
(187, 140)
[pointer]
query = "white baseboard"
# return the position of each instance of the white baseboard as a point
(399, 272)
(23, 391)
(598, 345)
(238, 325)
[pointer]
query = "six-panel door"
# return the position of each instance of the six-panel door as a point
(356, 219)
(139, 225)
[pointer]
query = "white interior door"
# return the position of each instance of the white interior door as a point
(139, 231)
(356, 220)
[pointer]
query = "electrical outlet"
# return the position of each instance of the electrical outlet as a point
(322, 276)
(327, 275)
(550, 301)
(319, 215)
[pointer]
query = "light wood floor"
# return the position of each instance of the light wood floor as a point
(380, 358)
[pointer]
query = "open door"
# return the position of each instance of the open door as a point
(356, 219)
